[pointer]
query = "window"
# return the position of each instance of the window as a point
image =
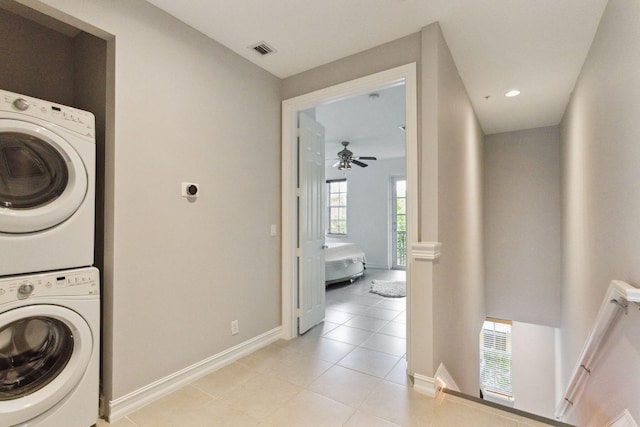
(495, 357)
(400, 222)
(337, 194)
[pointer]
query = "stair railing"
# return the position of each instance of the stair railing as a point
(618, 296)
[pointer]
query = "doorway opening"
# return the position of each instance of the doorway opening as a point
(296, 291)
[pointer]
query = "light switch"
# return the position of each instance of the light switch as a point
(273, 230)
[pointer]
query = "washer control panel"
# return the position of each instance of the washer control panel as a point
(80, 121)
(79, 282)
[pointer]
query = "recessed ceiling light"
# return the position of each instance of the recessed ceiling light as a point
(512, 93)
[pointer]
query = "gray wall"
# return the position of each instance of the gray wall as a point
(458, 288)
(47, 75)
(523, 254)
(384, 57)
(178, 272)
(369, 209)
(601, 205)
(534, 353)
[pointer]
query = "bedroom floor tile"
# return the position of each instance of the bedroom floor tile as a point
(395, 329)
(401, 318)
(349, 307)
(335, 316)
(399, 304)
(366, 323)
(381, 313)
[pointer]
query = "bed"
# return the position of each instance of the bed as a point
(343, 261)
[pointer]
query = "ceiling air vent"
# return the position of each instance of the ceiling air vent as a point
(262, 48)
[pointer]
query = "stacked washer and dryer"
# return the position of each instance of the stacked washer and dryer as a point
(49, 291)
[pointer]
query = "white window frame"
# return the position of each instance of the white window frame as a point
(339, 206)
(496, 378)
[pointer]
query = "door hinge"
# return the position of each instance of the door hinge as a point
(298, 312)
(298, 192)
(298, 252)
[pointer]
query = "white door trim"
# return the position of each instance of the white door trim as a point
(404, 74)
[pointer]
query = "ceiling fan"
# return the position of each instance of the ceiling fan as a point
(346, 157)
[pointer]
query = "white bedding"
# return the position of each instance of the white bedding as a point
(343, 261)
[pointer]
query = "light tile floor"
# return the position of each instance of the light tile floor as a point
(348, 371)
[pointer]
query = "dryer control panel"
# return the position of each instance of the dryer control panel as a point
(78, 282)
(80, 121)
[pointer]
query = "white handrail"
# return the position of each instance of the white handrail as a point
(615, 301)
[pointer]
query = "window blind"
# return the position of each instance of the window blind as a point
(495, 357)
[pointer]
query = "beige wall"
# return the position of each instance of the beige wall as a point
(523, 254)
(601, 204)
(180, 271)
(458, 288)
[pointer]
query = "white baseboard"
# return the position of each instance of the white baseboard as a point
(135, 400)
(425, 385)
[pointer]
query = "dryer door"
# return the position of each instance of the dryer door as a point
(44, 352)
(42, 178)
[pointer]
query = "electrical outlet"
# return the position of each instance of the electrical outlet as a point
(234, 327)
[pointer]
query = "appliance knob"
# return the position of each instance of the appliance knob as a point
(21, 104)
(25, 289)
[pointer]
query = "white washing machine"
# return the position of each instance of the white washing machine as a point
(50, 349)
(47, 185)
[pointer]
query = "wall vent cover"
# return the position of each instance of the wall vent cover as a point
(262, 48)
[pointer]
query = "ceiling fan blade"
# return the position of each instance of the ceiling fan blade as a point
(359, 163)
(365, 158)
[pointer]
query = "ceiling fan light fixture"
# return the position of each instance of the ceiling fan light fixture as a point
(344, 165)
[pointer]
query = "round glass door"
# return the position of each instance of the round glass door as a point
(42, 178)
(33, 172)
(44, 352)
(33, 352)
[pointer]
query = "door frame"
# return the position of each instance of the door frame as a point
(405, 74)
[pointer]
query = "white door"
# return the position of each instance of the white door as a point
(311, 287)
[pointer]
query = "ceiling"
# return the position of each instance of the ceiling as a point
(537, 46)
(370, 123)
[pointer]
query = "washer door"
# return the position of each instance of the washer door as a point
(42, 178)
(44, 352)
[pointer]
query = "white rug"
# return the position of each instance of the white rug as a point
(393, 289)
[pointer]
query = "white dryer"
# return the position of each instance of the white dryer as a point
(50, 349)
(47, 185)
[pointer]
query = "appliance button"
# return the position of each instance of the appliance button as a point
(21, 104)
(25, 289)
